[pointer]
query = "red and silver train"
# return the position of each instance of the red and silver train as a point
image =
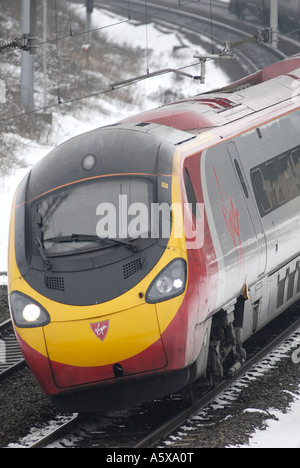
(144, 254)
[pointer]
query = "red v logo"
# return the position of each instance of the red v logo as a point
(100, 329)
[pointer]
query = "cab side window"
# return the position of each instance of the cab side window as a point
(191, 195)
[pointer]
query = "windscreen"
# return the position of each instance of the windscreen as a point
(80, 216)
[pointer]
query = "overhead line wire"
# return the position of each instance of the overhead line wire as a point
(72, 34)
(127, 20)
(105, 91)
(81, 98)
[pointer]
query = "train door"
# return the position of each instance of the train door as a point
(251, 207)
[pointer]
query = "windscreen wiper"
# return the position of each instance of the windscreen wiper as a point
(129, 245)
(92, 238)
(42, 253)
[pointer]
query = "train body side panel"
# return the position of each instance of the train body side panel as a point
(231, 228)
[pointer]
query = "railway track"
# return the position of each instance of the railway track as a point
(182, 417)
(194, 19)
(11, 358)
(120, 430)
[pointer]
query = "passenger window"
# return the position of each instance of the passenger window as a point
(287, 176)
(277, 181)
(260, 193)
(191, 195)
(274, 187)
(296, 161)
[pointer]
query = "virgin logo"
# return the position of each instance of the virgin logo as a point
(100, 329)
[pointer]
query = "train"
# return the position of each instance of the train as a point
(143, 255)
(288, 18)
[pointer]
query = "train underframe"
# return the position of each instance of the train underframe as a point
(226, 353)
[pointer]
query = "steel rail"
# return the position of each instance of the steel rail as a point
(57, 433)
(201, 25)
(174, 423)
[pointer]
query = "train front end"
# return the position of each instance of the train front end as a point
(97, 273)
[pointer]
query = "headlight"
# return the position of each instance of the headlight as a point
(169, 283)
(26, 312)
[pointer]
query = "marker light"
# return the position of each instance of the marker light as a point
(169, 283)
(177, 283)
(89, 161)
(26, 312)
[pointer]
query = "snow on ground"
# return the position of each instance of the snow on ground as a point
(283, 429)
(281, 433)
